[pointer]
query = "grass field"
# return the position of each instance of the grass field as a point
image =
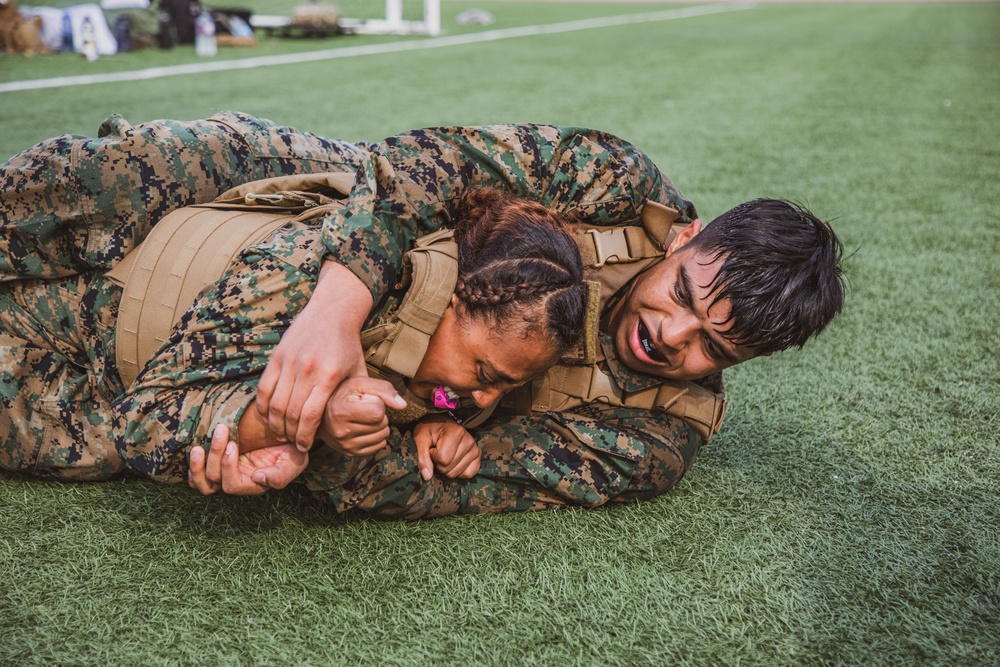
(848, 512)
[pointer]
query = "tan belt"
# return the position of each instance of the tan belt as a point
(163, 276)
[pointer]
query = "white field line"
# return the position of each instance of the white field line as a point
(372, 49)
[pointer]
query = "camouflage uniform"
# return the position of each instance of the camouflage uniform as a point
(208, 370)
(72, 206)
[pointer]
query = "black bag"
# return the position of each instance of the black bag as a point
(181, 14)
(123, 33)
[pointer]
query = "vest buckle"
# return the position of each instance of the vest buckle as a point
(610, 246)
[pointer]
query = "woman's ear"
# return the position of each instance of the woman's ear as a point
(454, 300)
(684, 237)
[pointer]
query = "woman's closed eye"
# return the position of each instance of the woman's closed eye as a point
(484, 378)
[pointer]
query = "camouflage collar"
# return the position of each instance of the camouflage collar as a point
(627, 379)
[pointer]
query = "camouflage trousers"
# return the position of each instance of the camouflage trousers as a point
(73, 206)
(57, 377)
(73, 203)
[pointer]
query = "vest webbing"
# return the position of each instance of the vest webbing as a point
(431, 271)
(614, 255)
(564, 388)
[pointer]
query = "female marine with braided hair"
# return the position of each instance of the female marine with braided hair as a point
(517, 305)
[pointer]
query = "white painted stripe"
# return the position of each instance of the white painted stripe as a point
(372, 49)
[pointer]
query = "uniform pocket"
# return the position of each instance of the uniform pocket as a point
(584, 464)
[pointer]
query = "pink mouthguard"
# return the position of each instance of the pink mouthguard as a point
(444, 399)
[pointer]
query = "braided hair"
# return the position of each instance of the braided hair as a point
(518, 264)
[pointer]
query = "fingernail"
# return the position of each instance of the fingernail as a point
(231, 449)
(426, 474)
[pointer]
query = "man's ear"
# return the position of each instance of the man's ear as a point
(684, 237)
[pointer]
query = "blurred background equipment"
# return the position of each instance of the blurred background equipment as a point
(62, 27)
(319, 19)
(20, 33)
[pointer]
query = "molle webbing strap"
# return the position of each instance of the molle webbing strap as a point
(321, 188)
(591, 330)
(400, 345)
(187, 251)
(567, 387)
(625, 244)
(613, 256)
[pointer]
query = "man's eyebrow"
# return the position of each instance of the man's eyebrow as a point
(717, 348)
(686, 284)
(721, 350)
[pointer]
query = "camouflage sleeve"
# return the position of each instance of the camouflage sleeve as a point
(596, 456)
(72, 203)
(406, 186)
(207, 371)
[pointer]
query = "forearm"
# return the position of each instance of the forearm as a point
(156, 428)
(528, 463)
(343, 297)
(77, 202)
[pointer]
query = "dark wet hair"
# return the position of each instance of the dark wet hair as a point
(780, 271)
(517, 262)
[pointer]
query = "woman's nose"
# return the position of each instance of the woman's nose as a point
(484, 398)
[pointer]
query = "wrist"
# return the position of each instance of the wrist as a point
(253, 433)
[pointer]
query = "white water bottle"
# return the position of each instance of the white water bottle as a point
(204, 35)
(89, 39)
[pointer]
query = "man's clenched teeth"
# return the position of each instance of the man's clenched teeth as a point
(646, 340)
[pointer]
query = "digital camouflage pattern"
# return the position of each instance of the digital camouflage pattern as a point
(57, 377)
(74, 203)
(66, 415)
(407, 186)
(406, 190)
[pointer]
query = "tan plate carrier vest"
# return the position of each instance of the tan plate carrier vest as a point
(191, 248)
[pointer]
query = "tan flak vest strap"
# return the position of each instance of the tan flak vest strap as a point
(613, 255)
(431, 269)
(564, 388)
(618, 245)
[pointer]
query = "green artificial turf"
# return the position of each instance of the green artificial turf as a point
(846, 514)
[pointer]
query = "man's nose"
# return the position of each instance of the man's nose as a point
(677, 332)
(484, 398)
